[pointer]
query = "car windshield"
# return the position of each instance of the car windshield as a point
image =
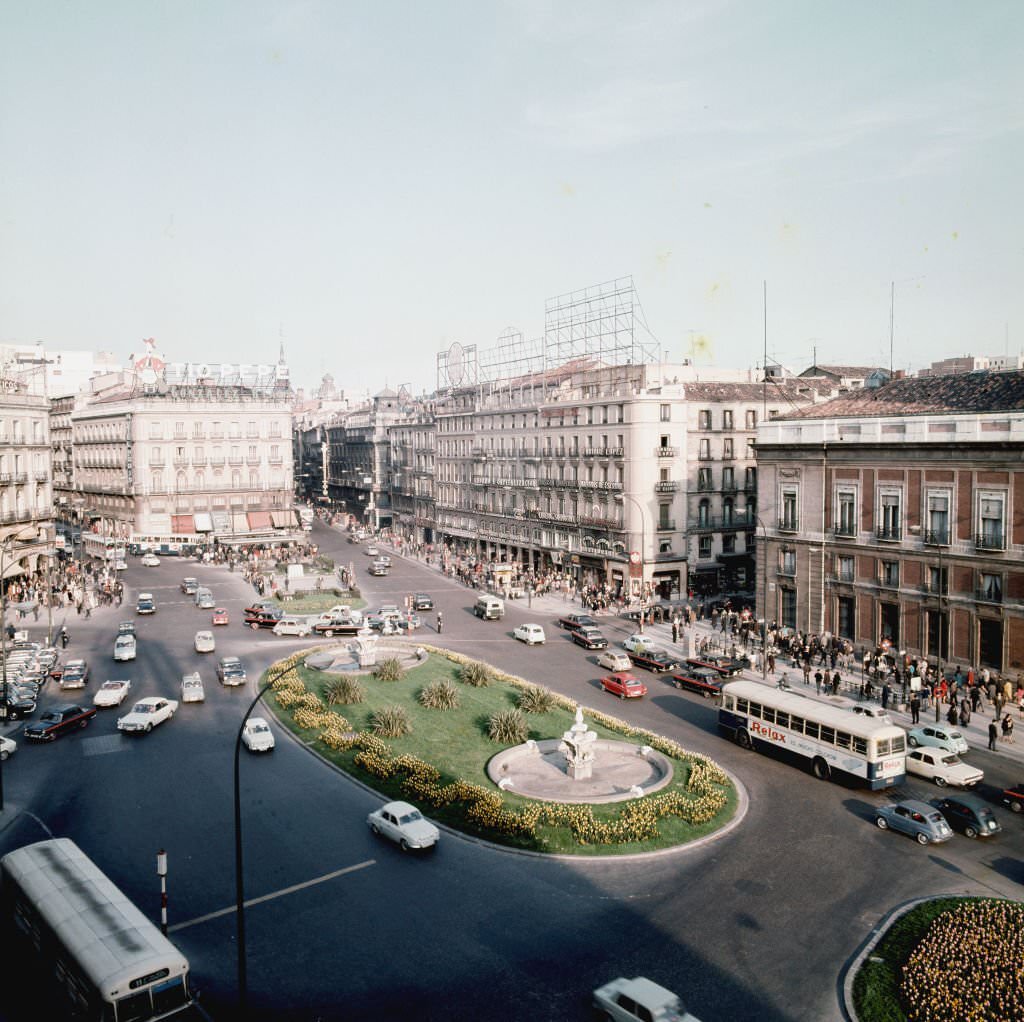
(143, 708)
(258, 727)
(111, 684)
(935, 817)
(955, 736)
(51, 717)
(411, 817)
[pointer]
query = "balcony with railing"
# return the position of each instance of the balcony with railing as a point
(789, 524)
(990, 541)
(888, 581)
(787, 569)
(666, 486)
(845, 529)
(936, 537)
(844, 578)
(217, 460)
(889, 533)
(665, 525)
(989, 594)
(666, 452)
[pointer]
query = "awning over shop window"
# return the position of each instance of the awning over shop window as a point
(221, 521)
(259, 520)
(181, 524)
(239, 522)
(204, 523)
(283, 519)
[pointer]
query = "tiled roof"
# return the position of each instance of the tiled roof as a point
(791, 389)
(924, 395)
(845, 371)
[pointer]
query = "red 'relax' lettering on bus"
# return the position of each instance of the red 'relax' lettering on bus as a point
(767, 732)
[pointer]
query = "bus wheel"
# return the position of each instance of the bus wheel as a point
(821, 769)
(743, 740)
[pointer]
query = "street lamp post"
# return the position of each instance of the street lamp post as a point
(643, 547)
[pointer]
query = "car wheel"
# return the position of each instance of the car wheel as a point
(404, 845)
(743, 740)
(912, 742)
(705, 694)
(821, 769)
(254, 626)
(149, 727)
(970, 832)
(4, 756)
(1016, 807)
(329, 633)
(922, 839)
(881, 823)
(940, 781)
(82, 723)
(622, 695)
(375, 829)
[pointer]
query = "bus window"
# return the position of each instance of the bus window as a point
(755, 709)
(796, 724)
(843, 739)
(768, 714)
(811, 729)
(899, 743)
(742, 706)
(860, 746)
(828, 735)
(782, 718)
(882, 746)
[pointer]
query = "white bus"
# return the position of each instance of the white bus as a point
(835, 741)
(95, 948)
(107, 548)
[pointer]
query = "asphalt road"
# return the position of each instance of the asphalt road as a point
(756, 925)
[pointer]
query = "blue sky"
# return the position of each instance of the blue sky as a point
(373, 181)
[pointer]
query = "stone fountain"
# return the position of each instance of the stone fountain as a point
(578, 747)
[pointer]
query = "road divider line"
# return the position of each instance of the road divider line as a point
(273, 894)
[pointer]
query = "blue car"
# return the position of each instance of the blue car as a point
(915, 818)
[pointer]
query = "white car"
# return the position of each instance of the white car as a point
(120, 565)
(939, 736)
(112, 692)
(257, 736)
(292, 626)
(192, 690)
(150, 561)
(147, 713)
(530, 634)
(124, 647)
(404, 824)
(629, 1000)
(372, 551)
(943, 768)
(8, 747)
(637, 642)
(614, 660)
(205, 642)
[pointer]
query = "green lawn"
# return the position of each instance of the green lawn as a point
(310, 601)
(457, 744)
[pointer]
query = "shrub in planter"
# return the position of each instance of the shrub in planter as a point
(508, 727)
(440, 695)
(345, 691)
(389, 670)
(535, 699)
(391, 722)
(475, 674)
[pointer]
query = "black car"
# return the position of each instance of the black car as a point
(56, 722)
(727, 666)
(230, 671)
(576, 621)
(656, 660)
(266, 617)
(589, 638)
(421, 601)
(15, 707)
(189, 586)
(968, 814)
(699, 679)
(126, 628)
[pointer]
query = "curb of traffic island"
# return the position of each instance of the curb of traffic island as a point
(742, 799)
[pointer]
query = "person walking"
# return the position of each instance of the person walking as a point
(951, 714)
(440, 622)
(965, 712)
(675, 629)
(818, 679)
(993, 734)
(1008, 729)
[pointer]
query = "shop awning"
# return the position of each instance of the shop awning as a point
(181, 524)
(239, 522)
(259, 520)
(204, 523)
(283, 519)
(221, 521)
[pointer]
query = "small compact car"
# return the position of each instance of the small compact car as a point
(656, 660)
(112, 692)
(373, 551)
(75, 674)
(204, 599)
(189, 586)
(422, 601)
(574, 621)
(257, 736)
(192, 690)
(613, 660)
(943, 768)
(1014, 798)
(220, 616)
(937, 735)
(292, 626)
(124, 647)
(8, 747)
(230, 671)
(146, 714)
(145, 604)
(126, 628)
(589, 638)
(919, 820)
(532, 635)
(404, 824)
(379, 569)
(205, 642)
(625, 686)
(632, 1000)
(636, 641)
(699, 679)
(53, 723)
(150, 561)
(968, 814)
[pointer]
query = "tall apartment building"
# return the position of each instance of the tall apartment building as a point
(411, 483)
(897, 514)
(62, 464)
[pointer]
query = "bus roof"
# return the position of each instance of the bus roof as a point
(111, 939)
(805, 705)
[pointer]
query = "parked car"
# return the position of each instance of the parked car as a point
(404, 824)
(257, 736)
(639, 1000)
(8, 747)
(726, 666)
(75, 674)
(58, 721)
(145, 604)
(146, 714)
(656, 660)
(937, 735)
(220, 616)
(574, 621)
(205, 642)
(422, 601)
(613, 660)
(266, 617)
(112, 692)
(623, 685)
(1014, 798)
(943, 768)
(968, 814)
(230, 671)
(16, 707)
(192, 690)
(189, 586)
(150, 561)
(921, 821)
(289, 625)
(124, 647)
(699, 679)
(531, 634)
(589, 638)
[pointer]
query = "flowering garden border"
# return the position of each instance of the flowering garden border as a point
(707, 804)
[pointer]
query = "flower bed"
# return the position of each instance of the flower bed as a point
(946, 960)
(441, 762)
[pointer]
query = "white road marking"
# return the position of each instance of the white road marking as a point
(273, 894)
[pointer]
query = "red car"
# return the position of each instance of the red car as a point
(220, 616)
(623, 685)
(1014, 798)
(57, 721)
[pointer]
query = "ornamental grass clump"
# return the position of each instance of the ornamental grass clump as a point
(508, 727)
(390, 670)
(536, 699)
(440, 695)
(475, 674)
(391, 722)
(344, 691)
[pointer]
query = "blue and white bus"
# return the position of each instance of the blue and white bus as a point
(834, 741)
(96, 950)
